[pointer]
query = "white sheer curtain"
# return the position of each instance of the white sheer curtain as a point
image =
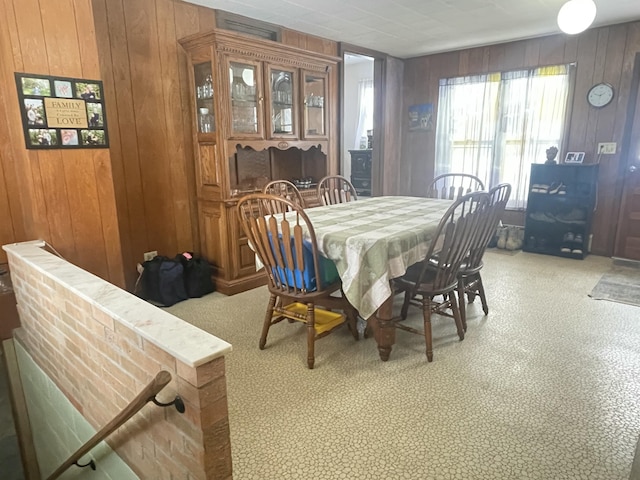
(494, 126)
(365, 110)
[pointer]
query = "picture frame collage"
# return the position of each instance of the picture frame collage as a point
(61, 112)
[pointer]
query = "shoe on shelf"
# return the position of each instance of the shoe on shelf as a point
(567, 240)
(577, 247)
(576, 215)
(542, 217)
(539, 188)
(556, 188)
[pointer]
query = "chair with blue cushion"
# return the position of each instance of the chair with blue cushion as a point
(301, 281)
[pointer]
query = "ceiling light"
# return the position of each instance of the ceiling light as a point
(576, 16)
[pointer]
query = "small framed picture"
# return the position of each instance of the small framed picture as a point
(574, 157)
(36, 86)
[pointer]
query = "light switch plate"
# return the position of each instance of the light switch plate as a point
(608, 148)
(150, 255)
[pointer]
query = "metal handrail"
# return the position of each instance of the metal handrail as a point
(148, 394)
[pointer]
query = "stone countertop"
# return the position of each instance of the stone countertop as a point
(184, 341)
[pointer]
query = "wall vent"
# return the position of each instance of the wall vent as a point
(248, 26)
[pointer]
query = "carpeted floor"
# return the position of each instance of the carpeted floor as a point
(620, 284)
(545, 387)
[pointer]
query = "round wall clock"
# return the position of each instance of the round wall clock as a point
(600, 95)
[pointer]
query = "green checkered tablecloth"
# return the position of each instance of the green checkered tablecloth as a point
(373, 240)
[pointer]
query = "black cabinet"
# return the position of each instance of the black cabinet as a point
(361, 171)
(560, 208)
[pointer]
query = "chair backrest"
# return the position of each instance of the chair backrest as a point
(498, 198)
(454, 185)
(277, 235)
(335, 189)
(285, 189)
(454, 237)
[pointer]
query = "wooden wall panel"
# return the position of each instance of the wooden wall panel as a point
(145, 72)
(602, 54)
(309, 42)
(58, 190)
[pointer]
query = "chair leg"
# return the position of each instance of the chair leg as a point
(311, 335)
(463, 309)
(457, 317)
(352, 321)
(426, 313)
(483, 298)
(405, 305)
(267, 321)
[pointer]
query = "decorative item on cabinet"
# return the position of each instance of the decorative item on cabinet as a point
(272, 111)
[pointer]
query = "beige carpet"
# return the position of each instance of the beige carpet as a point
(545, 387)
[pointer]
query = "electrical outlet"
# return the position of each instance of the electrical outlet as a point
(150, 255)
(607, 148)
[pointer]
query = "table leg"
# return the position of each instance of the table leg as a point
(383, 329)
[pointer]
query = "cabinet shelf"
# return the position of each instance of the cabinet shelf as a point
(553, 219)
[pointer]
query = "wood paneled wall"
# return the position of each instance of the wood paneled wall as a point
(102, 209)
(64, 197)
(145, 76)
(601, 54)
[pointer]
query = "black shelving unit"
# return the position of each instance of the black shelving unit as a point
(361, 171)
(560, 209)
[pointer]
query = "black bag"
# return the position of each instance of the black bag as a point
(197, 274)
(163, 281)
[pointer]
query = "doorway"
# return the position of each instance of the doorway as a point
(357, 118)
(627, 244)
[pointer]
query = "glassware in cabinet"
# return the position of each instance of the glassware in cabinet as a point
(282, 98)
(203, 78)
(245, 98)
(315, 93)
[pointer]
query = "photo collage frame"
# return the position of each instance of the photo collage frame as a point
(61, 113)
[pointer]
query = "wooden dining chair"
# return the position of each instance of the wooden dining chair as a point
(437, 274)
(469, 279)
(299, 279)
(285, 189)
(454, 185)
(335, 189)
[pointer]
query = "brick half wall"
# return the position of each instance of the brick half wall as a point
(101, 345)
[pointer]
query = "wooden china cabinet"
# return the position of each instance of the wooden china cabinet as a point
(261, 111)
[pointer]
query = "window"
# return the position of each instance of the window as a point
(365, 111)
(496, 125)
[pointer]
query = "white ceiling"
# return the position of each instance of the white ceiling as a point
(408, 28)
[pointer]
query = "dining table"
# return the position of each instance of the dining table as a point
(373, 240)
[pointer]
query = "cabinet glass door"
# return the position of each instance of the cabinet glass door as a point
(315, 93)
(246, 104)
(203, 78)
(282, 100)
